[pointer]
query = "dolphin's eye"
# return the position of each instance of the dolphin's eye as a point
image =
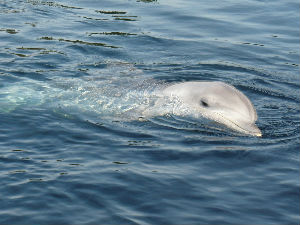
(204, 103)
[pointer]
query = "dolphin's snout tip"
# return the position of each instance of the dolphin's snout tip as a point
(255, 130)
(259, 134)
(251, 129)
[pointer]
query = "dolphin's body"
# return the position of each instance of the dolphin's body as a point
(217, 101)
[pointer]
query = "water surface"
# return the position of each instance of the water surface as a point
(72, 72)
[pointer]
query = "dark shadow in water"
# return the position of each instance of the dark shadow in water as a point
(51, 3)
(9, 31)
(112, 33)
(146, 1)
(79, 42)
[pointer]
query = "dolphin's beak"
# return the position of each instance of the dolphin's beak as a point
(251, 129)
(259, 134)
(247, 127)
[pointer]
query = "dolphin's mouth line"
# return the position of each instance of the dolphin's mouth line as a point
(234, 124)
(258, 134)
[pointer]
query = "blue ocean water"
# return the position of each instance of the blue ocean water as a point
(70, 73)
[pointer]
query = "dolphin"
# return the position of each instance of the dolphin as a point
(217, 101)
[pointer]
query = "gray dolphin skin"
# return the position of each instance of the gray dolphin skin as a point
(218, 101)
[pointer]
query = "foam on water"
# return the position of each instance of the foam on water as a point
(122, 94)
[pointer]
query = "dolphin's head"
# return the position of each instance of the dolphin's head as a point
(219, 102)
(225, 104)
